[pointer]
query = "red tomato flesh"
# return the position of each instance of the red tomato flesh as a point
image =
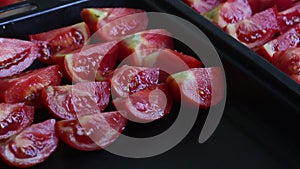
(202, 6)
(260, 5)
(73, 101)
(30, 147)
(14, 118)
(91, 132)
(289, 18)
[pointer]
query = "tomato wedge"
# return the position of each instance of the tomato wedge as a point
(26, 87)
(72, 101)
(62, 40)
(14, 118)
(91, 132)
(142, 42)
(115, 23)
(203, 87)
(256, 30)
(16, 55)
(260, 5)
(289, 18)
(202, 6)
(229, 12)
(93, 62)
(147, 105)
(30, 147)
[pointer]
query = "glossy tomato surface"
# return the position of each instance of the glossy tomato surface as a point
(73, 101)
(16, 56)
(14, 118)
(30, 147)
(91, 132)
(114, 23)
(288, 18)
(26, 87)
(202, 6)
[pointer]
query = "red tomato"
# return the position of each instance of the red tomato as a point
(144, 41)
(229, 12)
(256, 30)
(260, 5)
(93, 62)
(115, 23)
(61, 40)
(202, 6)
(288, 18)
(147, 105)
(26, 87)
(30, 147)
(129, 79)
(7, 2)
(91, 132)
(203, 87)
(72, 101)
(16, 55)
(289, 39)
(289, 62)
(14, 118)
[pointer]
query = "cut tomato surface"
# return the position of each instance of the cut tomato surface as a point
(92, 132)
(16, 55)
(260, 5)
(30, 147)
(73, 101)
(115, 23)
(14, 118)
(60, 41)
(147, 105)
(26, 87)
(287, 19)
(202, 6)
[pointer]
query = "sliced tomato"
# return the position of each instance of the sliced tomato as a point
(93, 62)
(115, 23)
(289, 39)
(129, 79)
(72, 101)
(229, 12)
(16, 55)
(61, 40)
(7, 2)
(14, 118)
(289, 62)
(30, 147)
(260, 5)
(203, 6)
(203, 87)
(256, 30)
(289, 18)
(91, 132)
(141, 42)
(147, 105)
(26, 87)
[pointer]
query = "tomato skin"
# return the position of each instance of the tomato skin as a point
(202, 87)
(14, 118)
(26, 87)
(60, 41)
(7, 2)
(93, 62)
(91, 132)
(114, 23)
(147, 105)
(260, 5)
(288, 18)
(203, 6)
(16, 56)
(73, 101)
(144, 41)
(31, 146)
(289, 62)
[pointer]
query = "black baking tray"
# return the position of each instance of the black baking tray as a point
(243, 58)
(248, 136)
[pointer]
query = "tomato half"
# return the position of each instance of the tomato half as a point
(72, 101)
(26, 87)
(14, 118)
(91, 132)
(202, 6)
(203, 87)
(62, 40)
(93, 62)
(16, 55)
(147, 105)
(30, 147)
(115, 23)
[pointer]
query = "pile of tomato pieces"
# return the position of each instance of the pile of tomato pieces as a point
(271, 28)
(135, 69)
